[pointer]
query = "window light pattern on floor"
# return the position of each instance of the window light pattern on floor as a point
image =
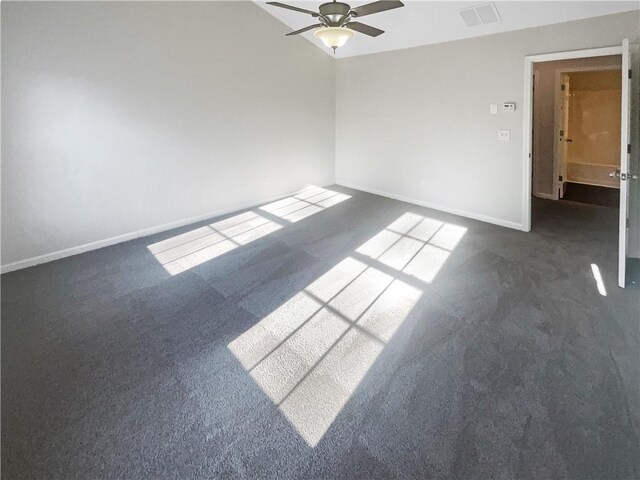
(188, 250)
(597, 276)
(311, 353)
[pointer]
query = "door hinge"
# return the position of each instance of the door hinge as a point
(629, 73)
(562, 87)
(560, 178)
(628, 148)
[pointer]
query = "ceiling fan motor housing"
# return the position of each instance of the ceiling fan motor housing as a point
(335, 13)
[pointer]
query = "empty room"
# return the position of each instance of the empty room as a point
(307, 240)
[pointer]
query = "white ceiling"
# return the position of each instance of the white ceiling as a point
(423, 22)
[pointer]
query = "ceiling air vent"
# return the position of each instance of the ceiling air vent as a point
(480, 15)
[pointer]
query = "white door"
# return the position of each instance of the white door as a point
(629, 233)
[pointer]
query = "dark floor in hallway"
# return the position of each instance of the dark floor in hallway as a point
(331, 336)
(592, 194)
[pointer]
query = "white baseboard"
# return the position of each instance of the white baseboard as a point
(462, 213)
(68, 252)
(548, 196)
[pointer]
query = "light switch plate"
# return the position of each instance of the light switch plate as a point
(509, 107)
(504, 135)
(493, 109)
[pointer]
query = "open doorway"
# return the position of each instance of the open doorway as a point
(576, 130)
(588, 125)
(581, 139)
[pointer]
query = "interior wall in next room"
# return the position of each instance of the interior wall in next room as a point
(120, 118)
(594, 127)
(415, 124)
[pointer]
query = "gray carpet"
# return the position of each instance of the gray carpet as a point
(363, 338)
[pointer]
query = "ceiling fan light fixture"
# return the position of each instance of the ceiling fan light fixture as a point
(333, 37)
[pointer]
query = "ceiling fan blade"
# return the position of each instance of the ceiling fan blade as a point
(366, 29)
(302, 30)
(376, 7)
(295, 9)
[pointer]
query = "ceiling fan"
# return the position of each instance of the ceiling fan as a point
(336, 20)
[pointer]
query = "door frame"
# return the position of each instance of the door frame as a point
(557, 115)
(535, 147)
(527, 161)
(560, 119)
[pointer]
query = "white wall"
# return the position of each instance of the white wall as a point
(123, 116)
(415, 123)
(544, 116)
